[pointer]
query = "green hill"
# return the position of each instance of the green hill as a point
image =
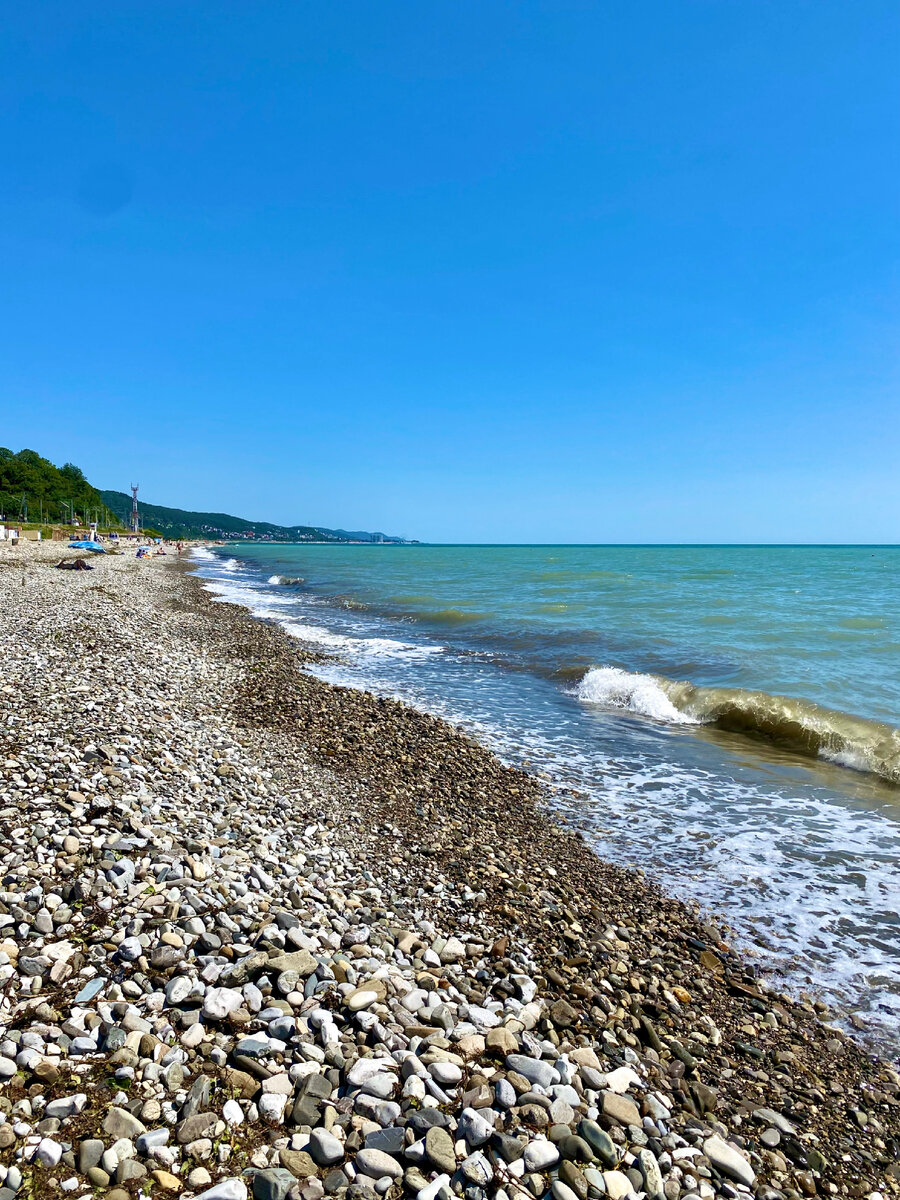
(179, 523)
(33, 489)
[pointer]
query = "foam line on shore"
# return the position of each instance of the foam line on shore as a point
(281, 606)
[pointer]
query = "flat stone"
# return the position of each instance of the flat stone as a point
(274, 1183)
(90, 1151)
(200, 1125)
(509, 1148)
(562, 1112)
(365, 1068)
(232, 1113)
(325, 1148)
(535, 1070)
(621, 1080)
(66, 1106)
(594, 1179)
(362, 998)
(300, 961)
(474, 1128)
(240, 1082)
(651, 1174)
(576, 1149)
(439, 1149)
(315, 1086)
(391, 1140)
(221, 1002)
(48, 1152)
(278, 1085)
(167, 1181)
(46, 1071)
(600, 1141)
(272, 1106)
(563, 1014)
(178, 989)
(91, 989)
(119, 1123)
(447, 1074)
(621, 1109)
(130, 1169)
(728, 1160)
(197, 1097)
(298, 1162)
(768, 1116)
(617, 1185)
(476, 1169)
(425, 1119)
(225, 1189)
(335, 1181)
(377, 1164)
(574, 1179)
(152, 1138)
(306, 1112)
(501, 1041)
(130, 949)
(381, 1085)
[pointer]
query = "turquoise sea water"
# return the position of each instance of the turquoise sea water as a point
(725, 717)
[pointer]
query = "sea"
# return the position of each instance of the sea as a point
(724, 718)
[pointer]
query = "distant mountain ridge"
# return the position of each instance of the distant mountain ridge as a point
(181, 523)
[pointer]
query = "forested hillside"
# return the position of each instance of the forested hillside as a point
(32, 488)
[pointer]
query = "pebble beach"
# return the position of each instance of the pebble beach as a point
(261, 936)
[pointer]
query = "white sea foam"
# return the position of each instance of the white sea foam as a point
(853, 760)
(283, 608)
(379, 647)
(808, 881)
(615, 688)
(261, 603)
(790, 721)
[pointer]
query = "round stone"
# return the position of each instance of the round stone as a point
(540, 1155)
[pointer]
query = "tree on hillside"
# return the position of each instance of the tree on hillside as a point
(30, 482)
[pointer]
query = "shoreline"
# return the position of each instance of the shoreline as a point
(574, 952)
(702, 810)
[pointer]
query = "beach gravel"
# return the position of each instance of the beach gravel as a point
(261, 936)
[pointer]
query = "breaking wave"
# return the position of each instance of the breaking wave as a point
(800, 725)
(644, 694)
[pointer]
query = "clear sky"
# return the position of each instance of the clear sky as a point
(464, 270)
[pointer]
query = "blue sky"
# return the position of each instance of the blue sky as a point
(463, 271)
